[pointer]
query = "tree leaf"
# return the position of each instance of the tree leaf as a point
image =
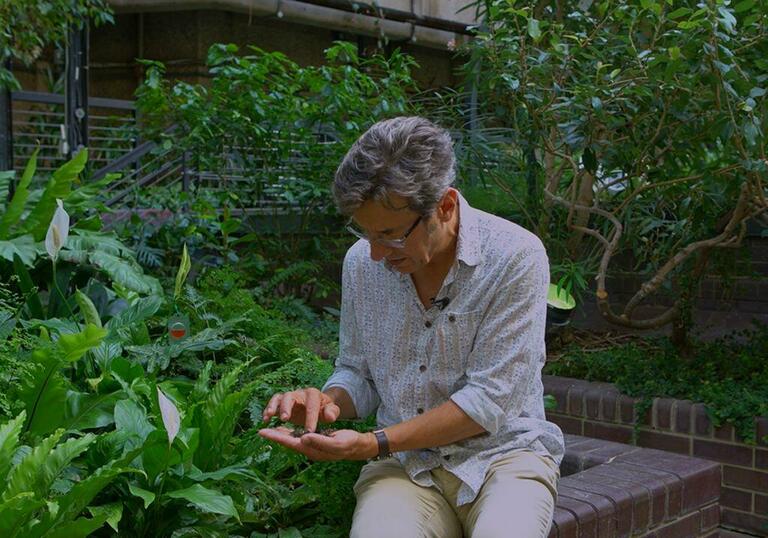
(534, 29)
(208, 500)
(746, 5)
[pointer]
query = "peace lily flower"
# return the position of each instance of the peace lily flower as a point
(171, 418)
(58, 231)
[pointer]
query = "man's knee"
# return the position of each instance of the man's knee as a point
(390, 505)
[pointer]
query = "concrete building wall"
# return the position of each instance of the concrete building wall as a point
(181, 40)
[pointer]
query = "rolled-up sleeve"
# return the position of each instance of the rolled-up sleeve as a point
(509, 348)
(351, 372)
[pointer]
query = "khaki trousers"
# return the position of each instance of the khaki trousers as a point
(516, 501)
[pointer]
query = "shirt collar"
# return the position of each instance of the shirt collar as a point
(468, 243)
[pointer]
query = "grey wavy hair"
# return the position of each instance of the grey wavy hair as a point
(408, 156)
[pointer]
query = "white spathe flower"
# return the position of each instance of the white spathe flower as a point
(171, 418)
(58, 231)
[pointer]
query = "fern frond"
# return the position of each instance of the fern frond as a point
(9, 440)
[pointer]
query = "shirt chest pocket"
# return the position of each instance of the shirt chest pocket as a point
(456, 336)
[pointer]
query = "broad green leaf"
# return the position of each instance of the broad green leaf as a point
(23, 246)
(87, 309)
(79, 528)
(112, 511)
(9, 440)
(88, 411)
(43, 391)
(59, 186)
(132, 419)
(82, 493)
(208, 500)
(181, 274)
(74, 346)
(291, 532)
(232, 472)
(16, 206)
(124, 273)
(142, 309)
(147, 496)
(157, 456)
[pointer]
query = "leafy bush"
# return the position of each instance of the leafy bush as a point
(36, 502)
(729, 375)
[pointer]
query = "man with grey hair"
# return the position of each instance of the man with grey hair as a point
(442, 335)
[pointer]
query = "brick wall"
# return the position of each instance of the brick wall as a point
(745, 292)
(614, 490)
(600, 411)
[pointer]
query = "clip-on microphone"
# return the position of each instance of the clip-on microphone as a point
(440, 303)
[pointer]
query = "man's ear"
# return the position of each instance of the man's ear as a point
(448, 204)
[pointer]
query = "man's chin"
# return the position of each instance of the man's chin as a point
(401, 266)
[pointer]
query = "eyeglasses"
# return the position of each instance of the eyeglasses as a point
(390, 243)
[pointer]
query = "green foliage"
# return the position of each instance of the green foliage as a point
(729, 375)
(26, 28)
(653, 112)
(86, 255)
(282, 126)
(29, 503)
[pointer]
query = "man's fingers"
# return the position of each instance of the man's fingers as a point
(271, 409)
(321, 442)
(286, 406)
(283, 437)
(312, 410)
(331, 412)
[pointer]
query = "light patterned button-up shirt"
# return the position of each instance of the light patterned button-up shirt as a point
(484, 350)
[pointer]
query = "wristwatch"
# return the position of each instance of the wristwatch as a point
(381, 439)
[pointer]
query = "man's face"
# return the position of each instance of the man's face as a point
(393, 220)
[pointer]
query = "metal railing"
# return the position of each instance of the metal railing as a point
(38, 122)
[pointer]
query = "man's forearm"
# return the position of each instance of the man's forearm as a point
(342, 398)
(440, 426)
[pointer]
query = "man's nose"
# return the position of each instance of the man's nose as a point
(378, 252)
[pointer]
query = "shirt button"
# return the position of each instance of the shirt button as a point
(451, 318)
(427, 324)
(423, 368)
(420, 410)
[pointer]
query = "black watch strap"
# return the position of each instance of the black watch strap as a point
(381, 439)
